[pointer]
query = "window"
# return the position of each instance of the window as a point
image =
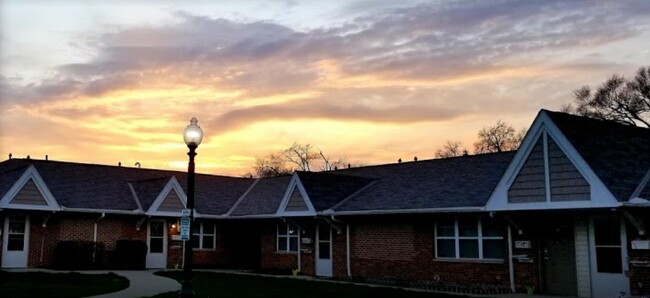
(469, 238)
(287, 240)
(204, 235)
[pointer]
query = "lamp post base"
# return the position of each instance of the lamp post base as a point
(186, 290)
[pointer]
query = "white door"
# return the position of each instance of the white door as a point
(157, 242)
(324, 251)
(608, 258)
(15, 243)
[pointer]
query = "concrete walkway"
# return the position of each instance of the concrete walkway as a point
(142, 283)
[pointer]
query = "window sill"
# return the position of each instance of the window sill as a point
(286, 252)
(203, 249)
(486, 261)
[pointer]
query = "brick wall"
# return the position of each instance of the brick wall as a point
(639, 274)
(270, 258)
(402, 250)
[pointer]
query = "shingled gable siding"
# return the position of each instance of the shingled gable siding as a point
(530, 185)
(296, 202)
(567, 184)
(29, 195)
(171, 203)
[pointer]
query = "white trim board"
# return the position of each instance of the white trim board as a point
(172, 185)
(544, 127)
(30, 174)
(295, 184)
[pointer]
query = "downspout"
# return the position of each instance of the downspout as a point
(299, 250)
(347, 245)
(347, 249)
(95, 235)
(511, 266)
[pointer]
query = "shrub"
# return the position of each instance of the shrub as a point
(78, 255)
(130, 254)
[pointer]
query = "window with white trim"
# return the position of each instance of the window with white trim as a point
(473, 238)
(204, 235)
(287, 237)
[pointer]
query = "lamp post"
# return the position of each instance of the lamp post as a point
(193, 136)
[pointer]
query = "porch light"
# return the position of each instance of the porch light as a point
(193, 134)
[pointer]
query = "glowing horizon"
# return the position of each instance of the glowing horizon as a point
(369, 81)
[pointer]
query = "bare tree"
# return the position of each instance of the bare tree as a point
(618, 99)
(328, 165)
(498, 138)
(271, 165)
(450, 149)
(300, 155)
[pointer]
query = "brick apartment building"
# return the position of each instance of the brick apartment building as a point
(565, 214)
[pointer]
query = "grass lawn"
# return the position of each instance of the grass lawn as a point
(209, 284)
(55, 285)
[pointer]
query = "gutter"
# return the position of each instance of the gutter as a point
(330, 212)
(109, 211)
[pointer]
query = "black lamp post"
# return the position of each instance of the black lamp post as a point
(193, 136)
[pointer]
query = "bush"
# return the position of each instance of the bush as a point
(78, 255)
(130, 254)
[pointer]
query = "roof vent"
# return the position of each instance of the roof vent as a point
(137, 164)
(10, 155)
(349, 166)
(415, 158)
(28, 157)
(119, 164)
(399, 160)
(46, 157)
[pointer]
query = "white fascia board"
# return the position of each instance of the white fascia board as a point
(107, 211)
(295, 183)
(135, 196)
(600, 194)
(243, 196)
(30, 173)
(330, 212)
(172, 184)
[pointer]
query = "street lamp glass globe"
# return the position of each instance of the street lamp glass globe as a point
(193, 133)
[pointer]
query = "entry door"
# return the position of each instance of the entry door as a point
(558, 245)
(15, 243)
(324, 251)
(608, 258)
(157, 242)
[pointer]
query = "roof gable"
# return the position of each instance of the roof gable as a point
(548, 173)
(617, 153)
(295, 201)
(170, 201)
(30, 192)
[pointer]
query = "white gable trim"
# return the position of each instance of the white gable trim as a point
(295, 184)
(543, 127)
(30, 174)
(242, 197)
(171, 185)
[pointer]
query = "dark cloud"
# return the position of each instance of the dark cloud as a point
(309, 110)
(427, 42)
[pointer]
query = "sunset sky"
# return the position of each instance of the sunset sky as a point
(373, 81)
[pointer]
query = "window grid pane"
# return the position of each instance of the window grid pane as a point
(469, 239)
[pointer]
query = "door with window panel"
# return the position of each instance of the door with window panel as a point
(15, 244)
(608, 257)
(324, 251)
(157, 243)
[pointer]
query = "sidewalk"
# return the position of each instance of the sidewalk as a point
(143, 283)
